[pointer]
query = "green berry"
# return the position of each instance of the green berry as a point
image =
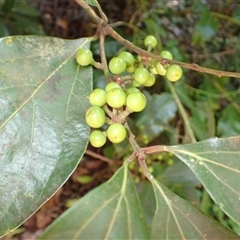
(131, 69)
(116, 133)
(166, 54)
(141, 75)
(131, 90)
(95, 117)
(84, 57)
(160, 69)
(98, 97)
(112, 85)
(97, 138)
(136, 102)
(135, 84)
(174, 73)
(117, 65)
(138, 59)
(153, 70)
(150, 41)
(127, 57)
(116, 98)
(151, 80)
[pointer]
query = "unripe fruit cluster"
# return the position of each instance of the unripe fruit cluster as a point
(110, 106)
(117, 99)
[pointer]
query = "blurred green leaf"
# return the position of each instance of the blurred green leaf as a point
(3, 30)
(202, 116)
(205, 28)
(229, 122)
(216, 163)
(25, 25)
(43, 133)
(7, 6)
(24, 8)
(153, 120)
(110, 211)
(176, 218)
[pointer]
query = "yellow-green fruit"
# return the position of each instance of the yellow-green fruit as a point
(174, 73)
(151, 80)
(160, 69)
(95, 117)
(97, 138)
(84, 57)
(116, 132)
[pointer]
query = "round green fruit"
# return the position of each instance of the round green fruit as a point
(150, 41)
(116, 132)
(136, 102)
(141, 75)
(98, 97)
(117, 65)
(174, 73)
(127, 57)
(97, 138)
(131, 90)
(135, 84)
(116, 98)
(151, 80)
(131, 69)
(160, 69)
(84, 57)
(166, 54)
(112, 85)
(95, 117)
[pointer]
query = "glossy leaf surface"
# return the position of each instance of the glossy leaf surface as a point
(110, 211)
(43, 134)
(176, 218)
(216, 163)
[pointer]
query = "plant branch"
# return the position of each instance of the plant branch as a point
(103, 55)
(92, 14)
(100, 157)
(110, 31)
(155, 149)
(138, 153)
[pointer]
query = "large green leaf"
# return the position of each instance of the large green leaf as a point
(216, 163)
(110, 211)
(43, 134)
(176, 218)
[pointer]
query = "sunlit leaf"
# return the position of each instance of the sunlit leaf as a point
(43, 134)
(216, 163)
(110, 211)
(176, 218)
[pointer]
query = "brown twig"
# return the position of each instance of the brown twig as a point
(100, 157)
(193, 66)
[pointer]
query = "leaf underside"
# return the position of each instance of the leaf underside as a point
(216, 163)
(175, 218)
